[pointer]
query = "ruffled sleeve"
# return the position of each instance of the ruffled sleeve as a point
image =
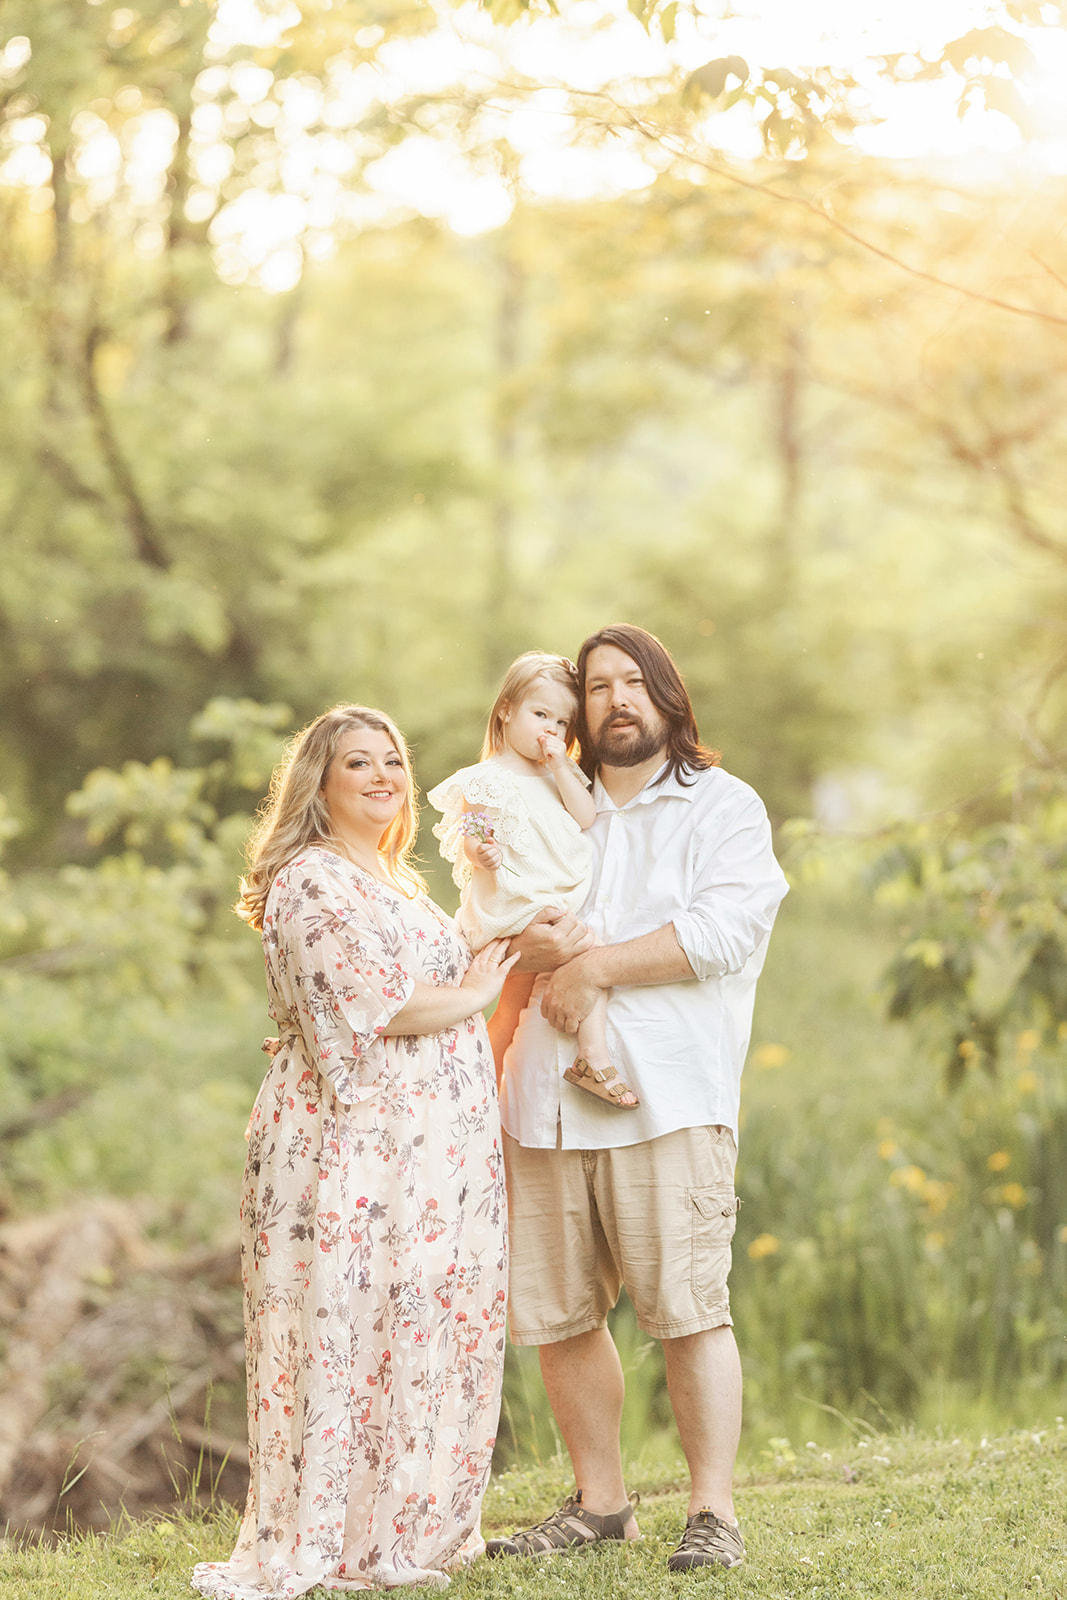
(342, 962)
(486, 787)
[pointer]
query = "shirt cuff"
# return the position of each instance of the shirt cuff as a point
(705, 961)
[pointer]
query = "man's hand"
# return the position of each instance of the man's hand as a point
(569, 996)
(552, 938)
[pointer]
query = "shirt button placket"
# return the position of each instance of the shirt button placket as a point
(612, 859)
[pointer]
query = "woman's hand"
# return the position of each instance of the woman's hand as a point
(433, 1007)
(485, 976)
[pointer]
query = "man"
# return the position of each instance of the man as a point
(685, 890)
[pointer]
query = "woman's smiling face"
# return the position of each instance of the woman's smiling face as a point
(365, 784)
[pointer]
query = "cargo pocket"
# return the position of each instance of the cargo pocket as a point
(714, 1217)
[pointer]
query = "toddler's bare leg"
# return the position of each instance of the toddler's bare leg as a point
(514, 998)
(593, 1058)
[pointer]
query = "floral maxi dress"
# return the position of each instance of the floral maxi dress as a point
(373, 1223)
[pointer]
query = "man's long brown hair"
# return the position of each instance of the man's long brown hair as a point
(685, 753)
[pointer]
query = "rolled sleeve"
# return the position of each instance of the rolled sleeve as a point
(737, 887)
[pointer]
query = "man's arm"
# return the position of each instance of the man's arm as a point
(737, 885)
(572, 989)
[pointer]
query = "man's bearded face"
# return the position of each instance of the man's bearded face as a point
(625, 728)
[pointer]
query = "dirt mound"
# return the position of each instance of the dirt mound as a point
(121, 1372)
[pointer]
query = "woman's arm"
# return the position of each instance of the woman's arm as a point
(433, 1007)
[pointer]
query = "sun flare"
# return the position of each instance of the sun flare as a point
(535, 82)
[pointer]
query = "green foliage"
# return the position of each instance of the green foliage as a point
(833, 487)
(985, 945)
(125, 980)
(897, 1247)
(787, 451)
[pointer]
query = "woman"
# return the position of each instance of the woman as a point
(373, 1211)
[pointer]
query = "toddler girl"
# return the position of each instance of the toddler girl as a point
(513, 828)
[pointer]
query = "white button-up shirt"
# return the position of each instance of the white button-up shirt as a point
(697, 855)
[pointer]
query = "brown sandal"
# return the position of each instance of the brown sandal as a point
(606, 1086)
(569, 1528)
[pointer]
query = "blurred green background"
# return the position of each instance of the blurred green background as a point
(377, 463)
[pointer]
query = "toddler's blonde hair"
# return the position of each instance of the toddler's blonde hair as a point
(519, 679)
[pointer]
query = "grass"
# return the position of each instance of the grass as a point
(885, 1515)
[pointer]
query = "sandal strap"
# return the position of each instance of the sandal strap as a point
(708, 1540)
(613, 1084)
(568, 1528)
(582, 1069)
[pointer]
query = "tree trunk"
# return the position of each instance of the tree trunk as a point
(501, 596)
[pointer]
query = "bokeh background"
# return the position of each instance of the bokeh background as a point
(351, 347)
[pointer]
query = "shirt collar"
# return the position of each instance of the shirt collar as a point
(653, 789)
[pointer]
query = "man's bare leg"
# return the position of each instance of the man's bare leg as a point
(585, 1385)
(704, 1382)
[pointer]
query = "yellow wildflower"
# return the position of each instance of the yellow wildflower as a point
(764, 1245)
(911, 1178)
(937, 1195)
(1028, 1082)
(888, 1149)
(1010, 1194)
(771, 1055)
(998, 1161)
(1028, 1041)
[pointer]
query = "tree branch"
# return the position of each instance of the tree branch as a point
(149, 549)
(824, 214)
(1053, 274)
(41, 1114)
(67, 477)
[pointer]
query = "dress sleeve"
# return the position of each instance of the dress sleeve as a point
(344, 958)
(485, 787)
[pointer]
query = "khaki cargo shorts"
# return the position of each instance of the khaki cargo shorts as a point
(658, 1217)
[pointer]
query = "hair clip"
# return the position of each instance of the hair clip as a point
(569, 664)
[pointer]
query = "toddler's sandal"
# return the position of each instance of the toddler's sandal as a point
(607, 1086)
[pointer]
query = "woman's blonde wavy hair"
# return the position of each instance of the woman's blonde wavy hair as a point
(519, 679)
(294, 815)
